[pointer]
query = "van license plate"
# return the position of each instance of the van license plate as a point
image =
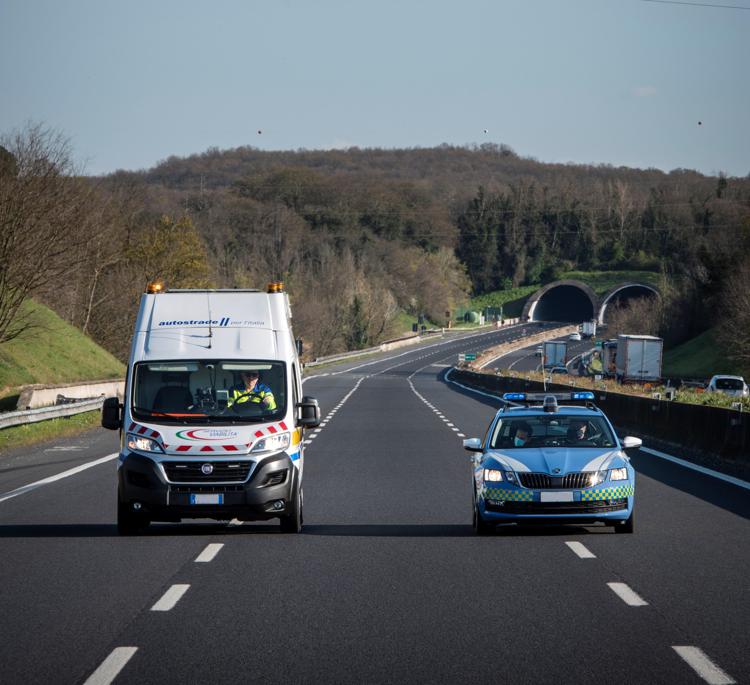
(207, 499)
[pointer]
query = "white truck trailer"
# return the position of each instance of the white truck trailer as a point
(555, 353)
(639, 358)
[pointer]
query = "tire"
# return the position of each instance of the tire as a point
(626, 526)
(291, 522)
(481, 527)
(128, 522)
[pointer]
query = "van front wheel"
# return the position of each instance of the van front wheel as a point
(128, 522)
(291, 522)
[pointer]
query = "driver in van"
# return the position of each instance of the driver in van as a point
(251, 390)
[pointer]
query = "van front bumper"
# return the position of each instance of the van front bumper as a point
(265, 493)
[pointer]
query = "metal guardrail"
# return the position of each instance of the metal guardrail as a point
(19, 418)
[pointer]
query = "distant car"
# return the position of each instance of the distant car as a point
(733, 386)
(569, 467)
(575, 336)
(539, 351)
(558, 369)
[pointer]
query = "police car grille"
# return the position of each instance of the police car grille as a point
(192, 472)
(543, 481)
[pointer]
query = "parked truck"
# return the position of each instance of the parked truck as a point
(639, 358)
(609, 357)
(588, 329)
(555, 353)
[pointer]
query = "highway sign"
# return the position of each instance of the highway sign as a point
(470, 356)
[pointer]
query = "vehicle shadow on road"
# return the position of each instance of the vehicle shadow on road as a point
(404, 530)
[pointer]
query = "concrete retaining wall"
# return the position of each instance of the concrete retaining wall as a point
(36, 396)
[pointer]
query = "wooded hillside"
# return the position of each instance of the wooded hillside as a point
(360, 235)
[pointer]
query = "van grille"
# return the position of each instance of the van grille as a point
(222, 471)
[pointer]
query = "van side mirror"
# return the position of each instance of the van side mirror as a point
(111, 414)
(300, 346)
(309, 412)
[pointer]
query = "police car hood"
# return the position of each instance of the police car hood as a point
(555, 460)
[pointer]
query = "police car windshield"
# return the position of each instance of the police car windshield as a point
(215, 391)
(551, 430)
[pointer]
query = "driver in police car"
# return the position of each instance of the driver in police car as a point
(251, 390)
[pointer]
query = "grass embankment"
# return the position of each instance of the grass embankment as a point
(50, 352)
(701, 357)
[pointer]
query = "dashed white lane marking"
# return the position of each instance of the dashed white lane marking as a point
(51, 479)
(64, 448)
(235, 522)
(314, 435)
(581, 550)
(170, 598)
(627, 595)
(450, 425)
(111, 666)
(209, 553)
(461, 435)
(703, 666)
(454, 429)
(317, 430)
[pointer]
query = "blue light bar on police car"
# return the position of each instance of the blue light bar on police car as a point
(582, 395)
(514, 396)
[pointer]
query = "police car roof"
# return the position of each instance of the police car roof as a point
(562, 409)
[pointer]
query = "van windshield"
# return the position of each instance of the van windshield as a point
(209, 391)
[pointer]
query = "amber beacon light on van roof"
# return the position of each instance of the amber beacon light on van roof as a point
(275, 287)
(155, 287)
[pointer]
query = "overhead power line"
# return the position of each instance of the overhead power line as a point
(698, 4)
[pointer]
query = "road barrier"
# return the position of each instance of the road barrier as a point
(19, 418)
(709, 430)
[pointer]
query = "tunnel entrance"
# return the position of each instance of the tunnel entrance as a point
(563, 303)
(623, 296)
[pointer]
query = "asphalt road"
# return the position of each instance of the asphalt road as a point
(526, 359)
(387, 583)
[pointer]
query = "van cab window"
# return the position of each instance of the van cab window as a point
(212, 391)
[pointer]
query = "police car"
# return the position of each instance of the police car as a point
(543, 461)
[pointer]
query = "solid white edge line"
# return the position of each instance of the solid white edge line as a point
(51, 479)
(209, 553)
(697, 660)
(170, 597)
(701, 469)
(580, 549)
(111, 666)
(627, 595)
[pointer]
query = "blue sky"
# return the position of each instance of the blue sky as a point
(622, 82)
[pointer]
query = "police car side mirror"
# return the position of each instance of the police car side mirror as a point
(111, 417)
(308, 412)
(300, 346)
(629, 443)
(473, 444)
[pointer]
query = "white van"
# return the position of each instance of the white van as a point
(213, 414)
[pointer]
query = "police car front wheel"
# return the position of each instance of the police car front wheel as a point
(626, 526)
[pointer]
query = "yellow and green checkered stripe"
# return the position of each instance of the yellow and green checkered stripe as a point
(607, 493)
(508, 495)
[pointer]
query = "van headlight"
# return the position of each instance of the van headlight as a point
(618, 474)
(142, 444)
(272, 443)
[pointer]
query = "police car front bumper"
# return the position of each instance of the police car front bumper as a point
(605, 504)
(261, 489)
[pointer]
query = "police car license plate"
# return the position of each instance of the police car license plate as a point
(207, 499)
(556, 496)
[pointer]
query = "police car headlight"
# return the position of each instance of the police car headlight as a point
(597, 477)
(142, 444)
(493, 475)
(272, 443)
(618, 474)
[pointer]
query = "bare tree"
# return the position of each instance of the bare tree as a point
(734, 330)
(44, 220)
